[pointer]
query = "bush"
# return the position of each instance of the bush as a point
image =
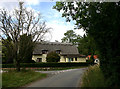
(28, 61)
(53, 57)
(46, 65)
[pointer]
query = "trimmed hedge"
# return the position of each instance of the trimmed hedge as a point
(46, 65)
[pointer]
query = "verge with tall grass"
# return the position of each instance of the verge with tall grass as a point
(93, 77)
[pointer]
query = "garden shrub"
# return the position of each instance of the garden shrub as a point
(51, 64)
(53, 57)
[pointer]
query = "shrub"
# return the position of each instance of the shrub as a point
(53, 57)
(28, 61)
(51, 64)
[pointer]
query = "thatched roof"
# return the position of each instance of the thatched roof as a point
(65, 48)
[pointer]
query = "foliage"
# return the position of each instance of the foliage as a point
(7, 51)
(86, 45)
(93, 77)
(91, 60)
(26, 48)
(47, 64)
(52, 57)
(70, 37)
(101, 21)
(16, 79)
(20, 22)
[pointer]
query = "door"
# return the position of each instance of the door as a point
(39, 59)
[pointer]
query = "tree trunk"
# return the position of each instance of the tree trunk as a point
(17, 60)
(17, 65)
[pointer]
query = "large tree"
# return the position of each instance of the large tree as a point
(71, 37)
(26, 46)
(20, 22)
(87, 46)
(101, 21)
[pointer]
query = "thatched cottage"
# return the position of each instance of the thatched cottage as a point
(67, 52)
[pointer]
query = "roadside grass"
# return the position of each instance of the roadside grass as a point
(93, 77)
(17, 79)
(47, 68)
(59, 68)
(0, 80)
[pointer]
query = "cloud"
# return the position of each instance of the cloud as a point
(32, 2)
(53, 19)
(57, 31)
(59, 28)
(8, 5)
(11, 4)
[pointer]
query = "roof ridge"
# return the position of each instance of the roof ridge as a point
(55, 43)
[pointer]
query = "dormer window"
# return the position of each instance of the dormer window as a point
(44, 51)
(58, 51)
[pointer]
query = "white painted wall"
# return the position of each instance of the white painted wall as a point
(62, 58)
(43, 56)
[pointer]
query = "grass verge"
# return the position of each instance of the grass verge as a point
(17, 79)
(58, 68)
(46, 68)
(93, 77)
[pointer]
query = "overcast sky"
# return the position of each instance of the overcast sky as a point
(51, 16)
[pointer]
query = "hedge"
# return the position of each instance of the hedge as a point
(46, 65)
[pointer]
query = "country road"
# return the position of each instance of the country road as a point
(66, 78)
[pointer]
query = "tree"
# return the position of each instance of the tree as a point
(101, 21)
(26, 46)
(52, 57)
(87, 46)
(20, 22)
(7, 51)
(70, 37)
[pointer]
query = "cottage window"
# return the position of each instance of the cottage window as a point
(71, 59)
(75, 58)
(44, 51)
(58, 51)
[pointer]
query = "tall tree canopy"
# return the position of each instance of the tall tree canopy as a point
(7, 51)
(87, 46)
(70, 37)
(18, 23)
(101, 21)
(26, 47)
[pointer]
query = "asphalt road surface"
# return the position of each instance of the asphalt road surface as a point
(64, 78)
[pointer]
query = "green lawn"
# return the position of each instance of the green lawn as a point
(17, 79)
(93, 77)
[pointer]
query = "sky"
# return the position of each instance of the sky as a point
(52, 17)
